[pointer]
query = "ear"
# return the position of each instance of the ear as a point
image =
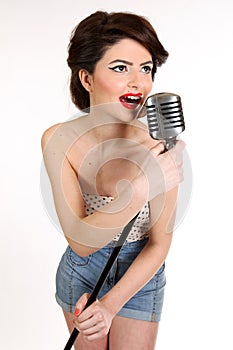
(86, 79)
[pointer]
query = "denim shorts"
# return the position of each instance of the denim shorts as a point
(77, 275)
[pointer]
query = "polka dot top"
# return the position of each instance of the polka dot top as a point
(140, 228)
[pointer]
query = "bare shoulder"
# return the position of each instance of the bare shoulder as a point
(62, 136)
(48, 133)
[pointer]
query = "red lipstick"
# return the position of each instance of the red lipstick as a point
(130, 100)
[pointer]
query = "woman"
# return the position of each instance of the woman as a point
(104, 168)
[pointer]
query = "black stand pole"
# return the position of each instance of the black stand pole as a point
(103, 276)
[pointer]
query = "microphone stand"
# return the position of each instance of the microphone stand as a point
(103, 276)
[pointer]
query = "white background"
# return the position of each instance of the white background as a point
(34, 95)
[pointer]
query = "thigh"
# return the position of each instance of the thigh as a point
(131, 334)
(82, 344)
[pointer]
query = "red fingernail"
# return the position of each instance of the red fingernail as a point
(76, 312)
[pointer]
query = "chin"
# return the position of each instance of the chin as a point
(126, 115)
(118, 112)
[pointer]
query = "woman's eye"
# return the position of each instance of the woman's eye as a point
(120, 68)
(147, 69)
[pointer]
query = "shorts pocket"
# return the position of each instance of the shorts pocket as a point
(160, 277)
(77, 260)
(161, 269)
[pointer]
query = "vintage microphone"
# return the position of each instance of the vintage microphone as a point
(165, 117)
(165, 122)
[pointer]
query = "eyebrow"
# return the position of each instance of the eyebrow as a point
(130, 63)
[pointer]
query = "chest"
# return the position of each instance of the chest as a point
(102, 177)
(101, 166)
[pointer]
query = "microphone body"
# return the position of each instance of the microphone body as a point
(165, 117)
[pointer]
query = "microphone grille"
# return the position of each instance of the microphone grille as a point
(165, 116)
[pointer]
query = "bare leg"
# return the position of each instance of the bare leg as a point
(82, 344)
(130, 334)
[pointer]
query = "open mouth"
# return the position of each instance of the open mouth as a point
(130, 101)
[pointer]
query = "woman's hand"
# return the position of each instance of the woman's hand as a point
(171, 163)
(95, 321)
(163, 170)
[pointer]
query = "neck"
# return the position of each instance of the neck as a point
(111, 130)
(106, 126)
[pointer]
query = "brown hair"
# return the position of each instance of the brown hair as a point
(95, 34)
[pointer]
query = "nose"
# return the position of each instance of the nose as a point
(134, 81)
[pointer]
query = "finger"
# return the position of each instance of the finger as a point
(158, 149)
(89, 319)
(81, 303)
(96, 336)
(95, 329)
(180, 145)
(88, 313)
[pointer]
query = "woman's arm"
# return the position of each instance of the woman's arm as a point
(87, 234)
(146, 264)
(151, 257)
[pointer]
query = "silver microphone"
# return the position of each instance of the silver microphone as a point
(165, 117)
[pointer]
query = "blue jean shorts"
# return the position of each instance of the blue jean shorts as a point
(77, 275)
